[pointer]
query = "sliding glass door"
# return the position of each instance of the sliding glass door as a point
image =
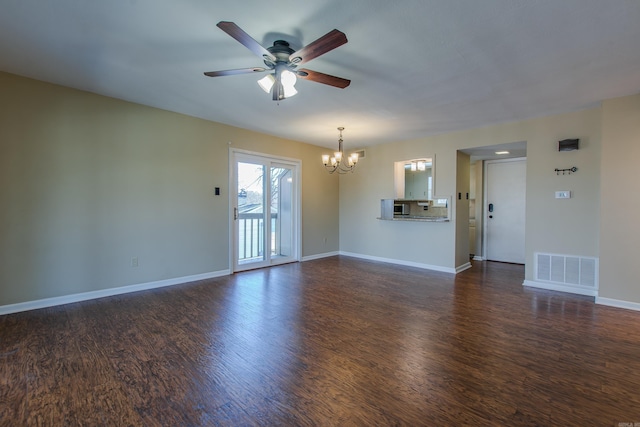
(265, 209)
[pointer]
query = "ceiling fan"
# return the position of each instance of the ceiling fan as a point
(284, 61)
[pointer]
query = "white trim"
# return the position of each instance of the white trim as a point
(84, 296)
(463, 267)
(561, 288)
(478, 258)
(400, 262)
(318, 256)
(233, 185)
(264, 155)
(618, 303)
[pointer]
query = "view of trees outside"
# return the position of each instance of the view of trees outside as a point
(251, 207)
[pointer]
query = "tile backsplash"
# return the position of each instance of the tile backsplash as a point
(415, 209)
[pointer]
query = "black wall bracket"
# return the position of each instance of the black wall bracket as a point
(568, 171)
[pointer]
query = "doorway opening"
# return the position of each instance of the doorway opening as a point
(478, 205)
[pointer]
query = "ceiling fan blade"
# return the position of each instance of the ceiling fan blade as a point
(239, 34)
(236, 71)
(324, 44)
(323, 78)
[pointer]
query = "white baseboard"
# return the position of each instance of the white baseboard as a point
(561, 288)
(618, 303)
(400, 262)
(463, 267)
(478, 258)
(318, 256)
(84, 296)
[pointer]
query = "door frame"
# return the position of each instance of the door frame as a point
(485, 201)
(296, 164)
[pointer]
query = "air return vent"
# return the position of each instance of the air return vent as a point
(568, 270)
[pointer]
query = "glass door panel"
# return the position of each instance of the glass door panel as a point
(282, 243)
(249, 214)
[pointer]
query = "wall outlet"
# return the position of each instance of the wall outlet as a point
(563, 194)
(134, 262)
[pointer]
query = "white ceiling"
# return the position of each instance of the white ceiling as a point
(418, 67)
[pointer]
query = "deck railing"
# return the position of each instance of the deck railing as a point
(251, 235)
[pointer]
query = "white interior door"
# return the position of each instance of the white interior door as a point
(265, 210)
(504, 210)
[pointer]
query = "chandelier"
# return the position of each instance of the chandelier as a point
(338, 162)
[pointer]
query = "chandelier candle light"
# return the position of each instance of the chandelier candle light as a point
(338, 163)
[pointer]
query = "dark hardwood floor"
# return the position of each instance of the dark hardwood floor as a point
(336, 341)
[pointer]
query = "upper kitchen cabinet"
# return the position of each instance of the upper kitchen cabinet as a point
(414, 179)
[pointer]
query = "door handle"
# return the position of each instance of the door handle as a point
(235, 213)
(490, 207)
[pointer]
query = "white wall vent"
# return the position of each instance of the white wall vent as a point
(568, 270)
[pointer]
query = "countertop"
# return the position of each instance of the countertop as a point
(417, 219)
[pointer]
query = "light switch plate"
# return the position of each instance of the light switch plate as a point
(563, 194)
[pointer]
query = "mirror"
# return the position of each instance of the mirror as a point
(415, 179)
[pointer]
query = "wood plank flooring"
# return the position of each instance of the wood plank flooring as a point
(335, 341)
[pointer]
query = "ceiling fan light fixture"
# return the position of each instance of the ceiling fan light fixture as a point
(289, 91)
(266, 83)
(288, 78)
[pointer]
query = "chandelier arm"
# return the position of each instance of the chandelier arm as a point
(339, 169)
(344, 167)
(331, 169)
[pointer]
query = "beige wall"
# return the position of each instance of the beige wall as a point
(89, 182)
(461, 211)
(556, 226)
(620, 227)
(426, 243)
